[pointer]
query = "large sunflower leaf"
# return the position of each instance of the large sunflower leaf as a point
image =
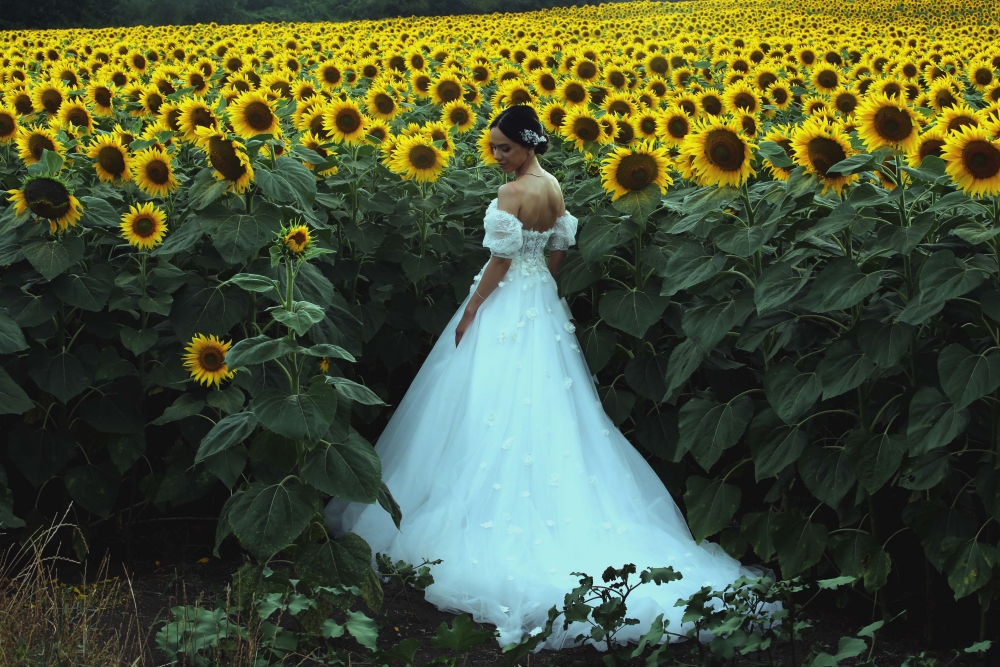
(268, 518)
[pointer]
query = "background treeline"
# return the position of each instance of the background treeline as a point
(104, 13)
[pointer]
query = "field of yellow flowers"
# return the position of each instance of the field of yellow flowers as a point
(786, 278)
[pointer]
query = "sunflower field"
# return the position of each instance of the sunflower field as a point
(224, 256)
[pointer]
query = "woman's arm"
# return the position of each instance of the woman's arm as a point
(492, 275)
(556, 258)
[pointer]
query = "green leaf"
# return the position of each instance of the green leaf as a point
(791, 393)
(711, 505)
(742, 241)
(934, 421)
(877, 570)
(598, 345)
(229, 400)
(684, 360)
(971, 567)
(11, 338)
(850, 551)
(885, 344)
(268, 518)
(343, 562)
(327, 350)
(773, 444)
(875, 457)
(849, 647)
(757, 528)
(159, 304)
(942, 277)
(708, 323)
(98, 212)
(230, 430)
(839, 286)
(297, 416)
(126, 450)
(237, 236)
(228, 465)
(633, 311)
(289, 182)
(363, 629)
(974, 233)
(252, 282)
(50, 258)
(259, 349)
(205, 188)
(463, 635)
(988, 490)
(40, 454)
(645, 375)
(417, 268)
(300, 318)
(778, 285)
(617, 403)
(967, 377)
(925, 472)
(854, 165)
(354, 391)
(775, 154)
(707, 429)
(843, 368)
(598, 238)
(800, 543)
(207, 311)
(826, 473)
(93, 487)
(186, 405)
(61, 375)
(657, 433)
(86, 292)
(138, 342)
(224, 528)
(689, 265)
(7, 519)
(112, 413)
(184, 237)
(350, 470)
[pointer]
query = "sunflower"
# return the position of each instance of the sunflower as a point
(673, 125)
(887, 122)
(227, 157)
(32, 141)
(825, 78)
(817, 145)
(749, 122)
(687, 102)
(980, 75)
(779, 134)
(459, 115)
(721, 155)
(251, 114)
(631, 168)
(382, 104)
(112, 161)
(645, 124)
(206, 360)
(378, 129)
(48, 198)
(314, 143)
(416, 157)
(445, 88)
(324, 364)
(343, 121)
(49, 96)
(297, 238)
(845, 101)
(620, 104)
(439, 131)
(194, 112)
(954, 117)
(153, 173)
(144, 225)
(972, 156)
(941, 94)
(580, 127)
(572, 93)
(740, 96)
(101, 97)
(711, 103)
(8, 125)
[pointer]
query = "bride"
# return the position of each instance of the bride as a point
(500, 455)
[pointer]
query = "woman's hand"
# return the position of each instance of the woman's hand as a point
(464, 324)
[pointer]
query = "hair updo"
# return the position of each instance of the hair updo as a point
(520, 124)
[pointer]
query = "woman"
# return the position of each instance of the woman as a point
(500, 455)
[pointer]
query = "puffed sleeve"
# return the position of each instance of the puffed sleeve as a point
(564, 232)
(503, 233)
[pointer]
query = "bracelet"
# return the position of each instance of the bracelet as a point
(480, 295)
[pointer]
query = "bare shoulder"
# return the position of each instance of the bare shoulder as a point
(509, 198)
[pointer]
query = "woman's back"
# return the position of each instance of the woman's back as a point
(539, 201)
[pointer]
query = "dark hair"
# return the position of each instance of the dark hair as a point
(515, 120)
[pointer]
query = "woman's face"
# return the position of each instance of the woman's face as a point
(508, 154)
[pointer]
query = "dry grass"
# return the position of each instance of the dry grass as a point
(46, 622)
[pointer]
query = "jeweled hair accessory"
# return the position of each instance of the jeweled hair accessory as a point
(532, 137)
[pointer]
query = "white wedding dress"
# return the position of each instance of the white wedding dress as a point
(506, 468)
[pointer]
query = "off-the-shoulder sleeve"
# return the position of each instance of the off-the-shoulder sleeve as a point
(503, 233)
(564, 232)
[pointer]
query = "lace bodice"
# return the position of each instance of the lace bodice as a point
(506, 236)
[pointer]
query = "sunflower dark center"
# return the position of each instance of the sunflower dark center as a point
(331, 75)
(625, 133)
(7, 124)
(658, 64)
(892, 124)
(139, 62)
(677, 127)
(153, 102)
(144, 227)
(827, 79)
(78, 117)
(586, 70)
(369, 71)
(961, 121)
(981, 159)
(746, 102)
(384, 103)
(211, 360)
(23, 106)
(157, 171)
(576, 93)
(587, 129)
(945, 99)
(165, 87)
(258, 116)
(47, 198)
(846, 102)
(348, 121)
(931, 147)
(617, 79)
(824, 153)
(648, 126)
(459, 116)
(103, 96)
(112, 160)
(766, 79)
(172, 117)
(724, 150)
(422, 157)
(749, 126)
(39, 142)
(52, 100)
(636, 171)
(688, 107)
(316, 127)
(619, 107)
(201, 117)
(711, 104)
(298, 238)
(417, 61)
(449, 90)
(224, 160)
(983, 76)
(909, 70)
